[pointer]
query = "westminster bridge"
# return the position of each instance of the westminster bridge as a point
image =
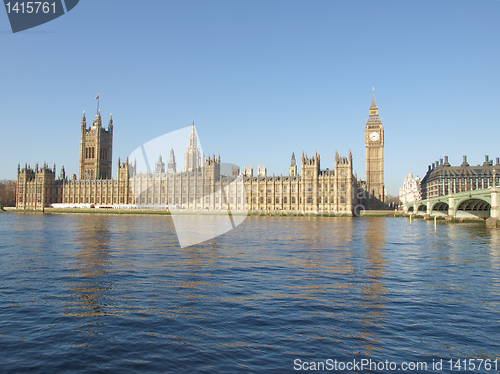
(467, 204)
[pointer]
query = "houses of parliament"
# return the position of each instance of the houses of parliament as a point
(202, 184)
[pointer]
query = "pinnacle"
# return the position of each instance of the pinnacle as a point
(374, 104)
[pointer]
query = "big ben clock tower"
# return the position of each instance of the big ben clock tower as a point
(374, 143)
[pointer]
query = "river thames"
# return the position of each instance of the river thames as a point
(92, 293)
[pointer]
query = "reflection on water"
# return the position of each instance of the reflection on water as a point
(96, 293)
(372, 300)
(90, 280)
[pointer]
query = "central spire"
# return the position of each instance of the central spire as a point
(192, 156)
(192, 138)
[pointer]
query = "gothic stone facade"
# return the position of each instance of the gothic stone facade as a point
(199, 186)
(329, 191)
(96, 149)
(39, 188)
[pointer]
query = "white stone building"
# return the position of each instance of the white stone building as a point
(411, 190)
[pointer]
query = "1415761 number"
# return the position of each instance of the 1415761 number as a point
(31, 7)
(473, 364)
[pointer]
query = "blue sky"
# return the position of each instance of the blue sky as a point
(260, 78)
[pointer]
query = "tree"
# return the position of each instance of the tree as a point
(7, 194)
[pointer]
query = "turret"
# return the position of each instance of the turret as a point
(172, 166)
(261, 171)
(97, 119)
(84, 121)
(160, 166)
(248, 171)
(293, 166)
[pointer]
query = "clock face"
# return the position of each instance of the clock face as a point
(374, 136)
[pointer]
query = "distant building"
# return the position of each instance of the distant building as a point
(411, 190)
(443, 179)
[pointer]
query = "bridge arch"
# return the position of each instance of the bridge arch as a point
(410, 209)
(422, 209)
(440, 208)
(473, 208)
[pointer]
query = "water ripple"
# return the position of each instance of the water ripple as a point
(98, 293)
